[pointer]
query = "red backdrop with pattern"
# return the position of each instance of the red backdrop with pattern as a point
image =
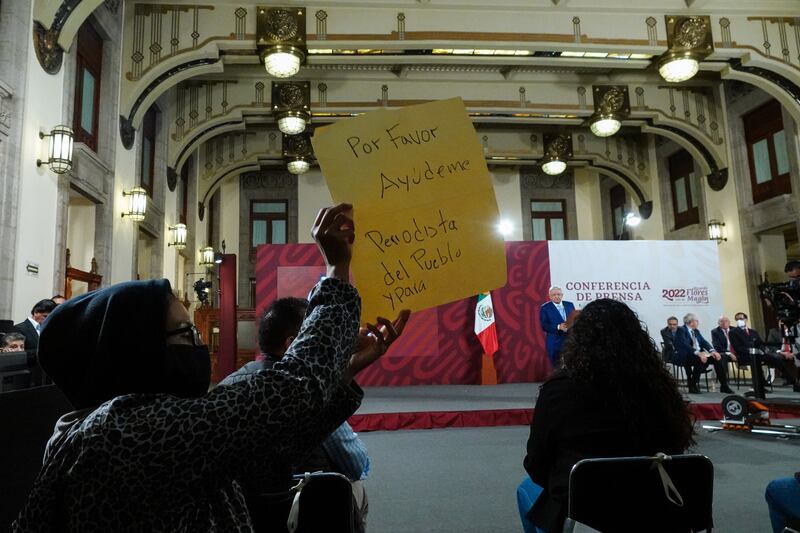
(439, 345)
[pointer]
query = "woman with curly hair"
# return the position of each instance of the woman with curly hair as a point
(613, 397)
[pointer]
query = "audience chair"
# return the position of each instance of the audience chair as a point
(662, 494)
(28, 418)
(322, 501)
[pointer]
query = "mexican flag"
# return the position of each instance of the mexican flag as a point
(485, 327)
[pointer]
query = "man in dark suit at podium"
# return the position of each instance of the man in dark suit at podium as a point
(553, 318)
(31, 326)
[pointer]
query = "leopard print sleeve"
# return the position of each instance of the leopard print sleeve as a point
(140, 458)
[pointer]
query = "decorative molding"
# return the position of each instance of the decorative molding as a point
(267, 180)
(127, 134)
(718, 179)
(535, 179)
(48, 51)
(5, 108)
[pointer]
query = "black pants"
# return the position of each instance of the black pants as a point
(775, 361)
(694, 368)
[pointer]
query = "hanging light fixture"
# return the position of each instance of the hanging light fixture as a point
(207, 256)
(611, 105)
(715, 231)
(137, 204)
(689, 40)
(178, 236)
(59, 154)
(281, 39)
(297, 152)
(291, 105)
(558, 149)
(298, 166)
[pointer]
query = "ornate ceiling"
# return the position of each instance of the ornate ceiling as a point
(523, 68)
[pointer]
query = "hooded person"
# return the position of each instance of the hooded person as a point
(148, 449)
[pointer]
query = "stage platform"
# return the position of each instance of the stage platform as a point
(444, 406)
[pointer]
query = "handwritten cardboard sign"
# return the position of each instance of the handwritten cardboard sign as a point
(423, 205)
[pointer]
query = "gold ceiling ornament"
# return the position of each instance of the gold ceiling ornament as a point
(281, 39)
(611, 106)
(689, 40)
(557, 151)
(297, 152)
(291, 105)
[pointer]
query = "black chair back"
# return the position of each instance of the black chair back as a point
(326, 504)
(629, 494)
(27, 419)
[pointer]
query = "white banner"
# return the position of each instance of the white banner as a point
(657, 279)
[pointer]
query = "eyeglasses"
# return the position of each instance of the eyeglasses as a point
(197, 340)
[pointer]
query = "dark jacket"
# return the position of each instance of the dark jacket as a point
(157, 462)
(742, 341)
(31, 336)
(684, 347)
(550, 319)
(668, 350)
(718, 340)
(573, 422)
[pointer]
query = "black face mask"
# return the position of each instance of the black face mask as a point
(187, 370)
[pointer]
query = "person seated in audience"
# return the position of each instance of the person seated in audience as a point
(668, 339)
(783, 502)
(12, 342)
(613, 398)
(58, 299)
(149, 448)
(32, 326)
(694, 352)
(342, 451)
(744, 338)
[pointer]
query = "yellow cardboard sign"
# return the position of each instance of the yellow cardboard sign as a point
(424, 207)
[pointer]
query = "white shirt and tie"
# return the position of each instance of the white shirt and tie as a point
(560, 307)
(36, 326)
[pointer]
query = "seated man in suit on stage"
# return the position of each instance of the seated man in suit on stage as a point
(12, 342)
(342, 451)
(668, 339)
(32, 326)
(695, 354)
(743, 338)
(553, 318)
(720, 336)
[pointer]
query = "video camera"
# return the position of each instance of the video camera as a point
(784, 298)
(201, 288)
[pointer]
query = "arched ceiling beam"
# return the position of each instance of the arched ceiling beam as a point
(717, 177)
(55, 25)
(786, 91)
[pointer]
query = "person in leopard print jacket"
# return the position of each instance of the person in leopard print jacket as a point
(148, 449)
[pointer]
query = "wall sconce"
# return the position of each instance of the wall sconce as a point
(281, 39)
(60, 151)
(689, 40)
(178, 236)
(137, 205)
(558, 149)
(291, 105)
(715, 231)
(611, 105)
(207, 256)
(298, 152)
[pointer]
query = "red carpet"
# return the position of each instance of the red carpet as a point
(478, 418)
